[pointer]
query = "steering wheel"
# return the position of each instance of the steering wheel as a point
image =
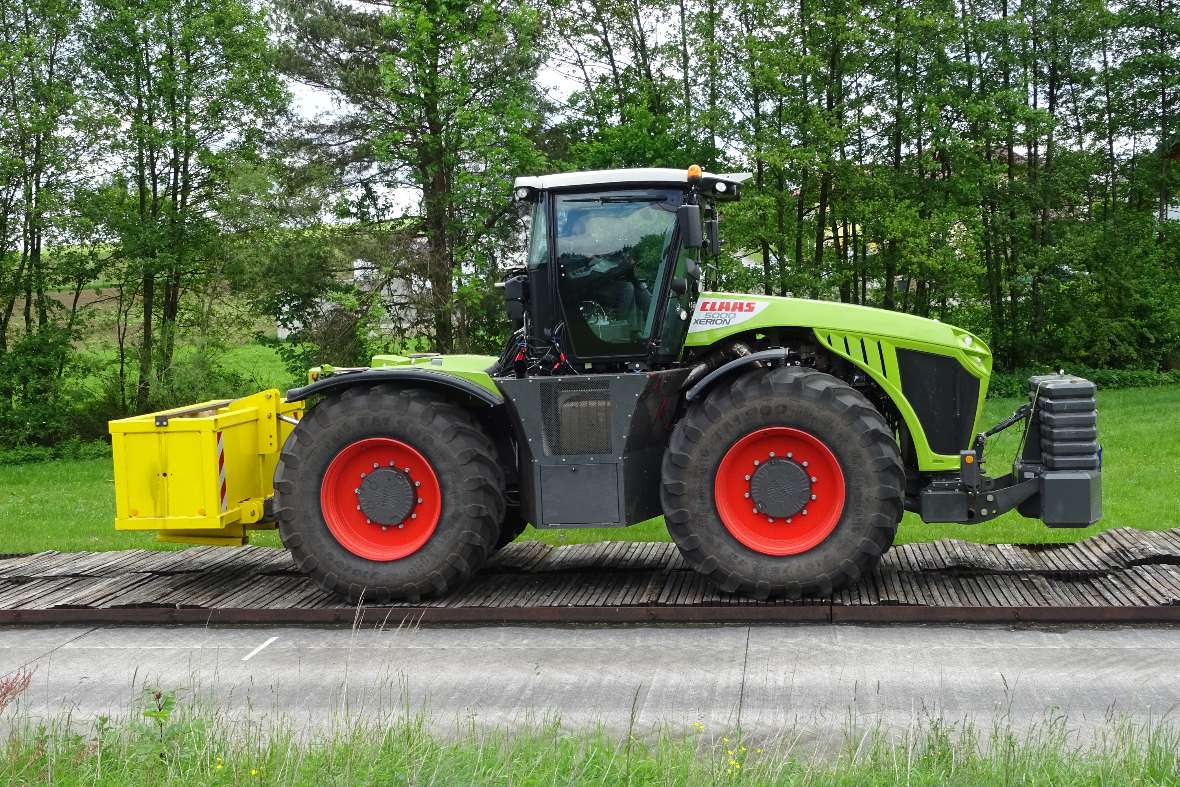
(593, 312)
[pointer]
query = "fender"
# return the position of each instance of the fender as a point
(777, 355)
(417, 378)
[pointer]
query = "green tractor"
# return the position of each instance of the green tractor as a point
(781, 439)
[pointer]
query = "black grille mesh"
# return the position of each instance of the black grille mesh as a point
(576, 416)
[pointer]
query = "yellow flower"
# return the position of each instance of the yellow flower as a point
(218, 766)
(253, 771)
(725, 740)
(698, 726)
(758, 751)
(741, 748)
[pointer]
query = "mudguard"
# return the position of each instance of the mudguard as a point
(463, 373)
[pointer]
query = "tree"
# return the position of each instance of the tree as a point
(440, 99)
(186, 89)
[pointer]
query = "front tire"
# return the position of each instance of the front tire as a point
(384, 494)
(783, 481)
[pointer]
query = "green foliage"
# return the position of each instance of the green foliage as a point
(1006, 166)
(1013, 385)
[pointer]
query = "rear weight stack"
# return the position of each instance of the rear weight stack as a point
(384, 494)
(785, 481)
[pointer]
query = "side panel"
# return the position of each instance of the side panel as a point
(591, 445)
(941, 405)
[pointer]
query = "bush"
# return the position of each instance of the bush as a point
(70, 449)
(1007, 385)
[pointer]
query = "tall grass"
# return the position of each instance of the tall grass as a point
(162, 744)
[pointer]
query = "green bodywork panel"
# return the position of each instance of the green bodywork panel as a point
(865, 336)
(469, 367)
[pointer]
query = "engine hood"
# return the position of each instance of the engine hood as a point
(719, 315)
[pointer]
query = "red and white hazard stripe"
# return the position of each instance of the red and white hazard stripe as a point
(221, 472)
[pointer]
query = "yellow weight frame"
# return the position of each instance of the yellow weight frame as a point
(168, 467)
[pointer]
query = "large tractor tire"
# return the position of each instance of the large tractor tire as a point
(782, 481)
(384, 494)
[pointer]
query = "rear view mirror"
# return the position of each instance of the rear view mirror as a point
(713, 237)
(689, 219)
(515, 295)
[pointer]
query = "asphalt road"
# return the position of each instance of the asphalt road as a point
(813, 682)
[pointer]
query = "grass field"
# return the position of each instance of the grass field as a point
(68, 505)
(176, 747)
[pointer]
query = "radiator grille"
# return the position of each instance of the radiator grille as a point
(576, 416)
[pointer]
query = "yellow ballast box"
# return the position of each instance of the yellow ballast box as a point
(200, 473)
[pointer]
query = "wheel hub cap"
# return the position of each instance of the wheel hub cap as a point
(780, 488)
(381, 498)
(386, 496)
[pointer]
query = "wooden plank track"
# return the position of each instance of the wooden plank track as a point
(1120, 575)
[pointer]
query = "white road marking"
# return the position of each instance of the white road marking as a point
(258, 649)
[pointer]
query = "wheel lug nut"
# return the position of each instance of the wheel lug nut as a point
(375, 465)
(417, 483)
(407, 469)
(357, 490)
(747, 478)
(362, 475)
(747, 494)
(813, 497)
(420, 499)
(769, 519)
(413, 516)
(805, 512)
(401, 525)
(814, 479)
(805, 463)
(358, 508)
(384, 528)
(790, 454)
(755, 510)
(755, 463)
(772, 454)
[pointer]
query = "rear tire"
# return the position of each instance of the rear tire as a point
(833, 457)
(441, 482)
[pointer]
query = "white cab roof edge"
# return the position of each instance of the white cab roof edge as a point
(602, 177)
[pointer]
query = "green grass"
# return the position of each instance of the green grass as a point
(171, 746)
(68, 505)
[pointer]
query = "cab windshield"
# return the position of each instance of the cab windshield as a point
(611, 248)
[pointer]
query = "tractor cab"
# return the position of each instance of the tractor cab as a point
(613, 265)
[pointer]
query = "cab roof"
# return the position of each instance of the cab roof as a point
(646, 176)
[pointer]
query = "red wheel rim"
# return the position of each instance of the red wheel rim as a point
(779, 535)
(349, 525)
